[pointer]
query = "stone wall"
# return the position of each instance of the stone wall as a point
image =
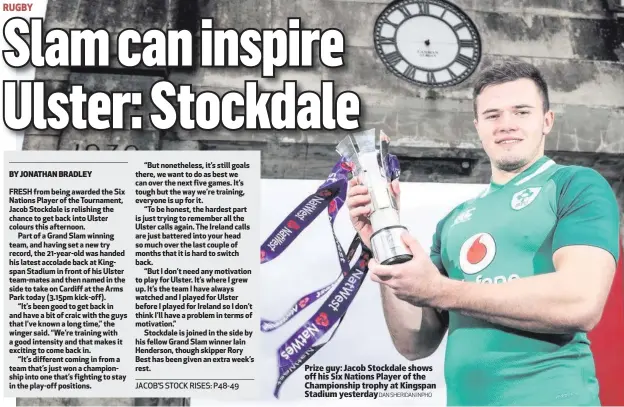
(576, 43)
(573, 42)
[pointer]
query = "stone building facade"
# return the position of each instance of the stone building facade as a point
(578, 45)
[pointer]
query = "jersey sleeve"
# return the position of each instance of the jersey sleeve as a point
(435, 251)
(435, 254)
(436, 248)
(587, 211)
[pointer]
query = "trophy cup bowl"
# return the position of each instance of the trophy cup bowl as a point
(370, 167)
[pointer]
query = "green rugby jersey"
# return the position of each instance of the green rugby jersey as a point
(511, 231)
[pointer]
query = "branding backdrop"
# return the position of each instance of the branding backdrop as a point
(607, 343)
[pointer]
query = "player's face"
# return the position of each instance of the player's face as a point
(512, 124)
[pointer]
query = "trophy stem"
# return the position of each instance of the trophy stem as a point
(387, 244)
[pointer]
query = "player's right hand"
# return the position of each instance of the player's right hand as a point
(358, 202)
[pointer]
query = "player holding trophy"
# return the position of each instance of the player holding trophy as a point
(517, 275)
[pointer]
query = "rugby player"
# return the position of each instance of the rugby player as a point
(517, 275)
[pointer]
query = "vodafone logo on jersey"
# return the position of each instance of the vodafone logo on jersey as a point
(477, 253)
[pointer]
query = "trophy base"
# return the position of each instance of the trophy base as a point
(403, 258)
(388, 247)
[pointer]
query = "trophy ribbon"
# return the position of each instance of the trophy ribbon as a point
(303, 344)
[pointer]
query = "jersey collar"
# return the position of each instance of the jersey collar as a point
(537, 168)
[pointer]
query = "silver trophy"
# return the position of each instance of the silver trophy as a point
(370, 168)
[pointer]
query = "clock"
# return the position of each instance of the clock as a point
(430, 43)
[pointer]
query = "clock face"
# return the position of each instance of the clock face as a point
(431, 43)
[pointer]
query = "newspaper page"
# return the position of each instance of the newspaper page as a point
(312, 202)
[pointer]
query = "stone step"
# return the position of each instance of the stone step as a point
(283, 159)
(119, 140)
(40, 142)
(109, 140)
(306, 156)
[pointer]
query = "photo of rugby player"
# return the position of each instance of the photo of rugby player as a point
(519, 274)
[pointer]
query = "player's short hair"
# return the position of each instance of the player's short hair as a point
(508, 71)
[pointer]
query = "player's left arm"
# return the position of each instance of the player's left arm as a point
(585, 254)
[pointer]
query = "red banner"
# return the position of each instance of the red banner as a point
(608, 343)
